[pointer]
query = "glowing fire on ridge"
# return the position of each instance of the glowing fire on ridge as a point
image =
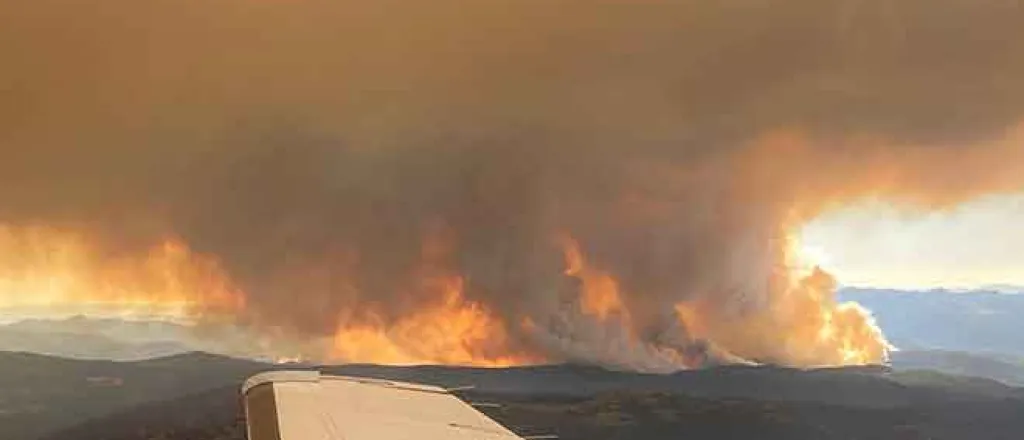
(58, 269)
(453, 331)
(600, 292)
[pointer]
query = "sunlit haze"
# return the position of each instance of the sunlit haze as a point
(875, 244)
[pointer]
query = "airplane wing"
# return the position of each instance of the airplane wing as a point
(306, 405)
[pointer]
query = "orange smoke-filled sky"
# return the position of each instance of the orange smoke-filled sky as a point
(330, 169)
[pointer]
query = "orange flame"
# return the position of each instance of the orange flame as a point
(601, 298)
(813, 329)
(56, 268)
(52, 268)
(600, 292)
(803, 326)
(454, 331)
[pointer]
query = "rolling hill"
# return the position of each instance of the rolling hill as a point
(42, 394)
(1009, 371)
(194, 396)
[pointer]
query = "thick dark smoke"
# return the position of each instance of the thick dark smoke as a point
(314, 146)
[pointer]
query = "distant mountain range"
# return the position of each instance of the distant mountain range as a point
(80, 337)
(962, 364)
(86, 338)
(986, 322)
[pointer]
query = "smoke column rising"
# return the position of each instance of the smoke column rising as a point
(508, 181)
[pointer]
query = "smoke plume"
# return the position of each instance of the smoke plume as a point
(498, 182)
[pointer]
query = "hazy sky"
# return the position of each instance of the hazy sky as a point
(874, 244)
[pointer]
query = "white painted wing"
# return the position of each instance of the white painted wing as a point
(305, 405)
